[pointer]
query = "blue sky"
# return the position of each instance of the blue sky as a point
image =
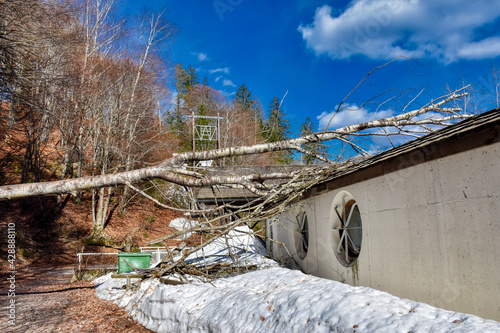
(318, 51)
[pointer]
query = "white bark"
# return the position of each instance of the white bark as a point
(171, 169)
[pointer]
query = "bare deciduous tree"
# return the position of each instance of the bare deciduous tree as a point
(68, 85)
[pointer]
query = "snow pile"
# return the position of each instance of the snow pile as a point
(238, 248)
(111, 290)
(182, 223)
(275, 299)
(279, 299)
(176, 194)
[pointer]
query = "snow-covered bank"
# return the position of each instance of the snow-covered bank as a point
(279, 299)
(276, 299)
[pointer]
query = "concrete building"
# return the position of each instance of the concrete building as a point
(420, 221)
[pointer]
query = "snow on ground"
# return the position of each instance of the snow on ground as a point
(277, 299)
(182, 223)
(239, 248)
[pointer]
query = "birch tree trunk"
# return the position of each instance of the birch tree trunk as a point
(172, 169)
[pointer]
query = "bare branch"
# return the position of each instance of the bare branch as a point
(172, 171)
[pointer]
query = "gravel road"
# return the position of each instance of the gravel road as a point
(46, 301)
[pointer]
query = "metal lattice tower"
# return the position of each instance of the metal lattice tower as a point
(206, 136)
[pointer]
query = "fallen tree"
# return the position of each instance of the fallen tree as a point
(274, 191)
(173, 170)
(273, 198)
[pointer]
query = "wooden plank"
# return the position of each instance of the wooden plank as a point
(124, 276)
(171, 282)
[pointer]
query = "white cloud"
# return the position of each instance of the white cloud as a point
(384, 29)
(218, 78)
(486, 48)
(226, 93)
(227, 82)
(349, 115)
(201, 56)
(224, 70)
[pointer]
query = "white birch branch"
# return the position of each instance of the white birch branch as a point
(171, 170)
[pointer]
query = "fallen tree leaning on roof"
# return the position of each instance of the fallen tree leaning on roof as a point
(172, 170)
(272, 199)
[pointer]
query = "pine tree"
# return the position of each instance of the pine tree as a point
(180, 78)
(277, 128)
(185, 79)
(185, 82)
(244, 102)
(244, 98)
(316, 148)
(174, 121)
(205, 81)
(191, 78)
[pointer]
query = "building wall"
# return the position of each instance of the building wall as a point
(431, 232)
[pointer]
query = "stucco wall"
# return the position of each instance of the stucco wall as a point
(431, 233)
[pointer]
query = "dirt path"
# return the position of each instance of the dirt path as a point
(46, 301)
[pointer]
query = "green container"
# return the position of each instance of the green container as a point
(135, 259)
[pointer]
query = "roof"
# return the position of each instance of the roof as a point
(476, 131)
(218, 194)
(473, 132)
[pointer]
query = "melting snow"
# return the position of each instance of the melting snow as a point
(182, 223)
(276, 299)
(238, 248)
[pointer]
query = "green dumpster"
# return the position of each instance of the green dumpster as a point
(135, 259)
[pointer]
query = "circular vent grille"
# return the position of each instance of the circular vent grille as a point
(302, 235)
(347, 229)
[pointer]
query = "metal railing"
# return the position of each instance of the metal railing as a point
(158, 253)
